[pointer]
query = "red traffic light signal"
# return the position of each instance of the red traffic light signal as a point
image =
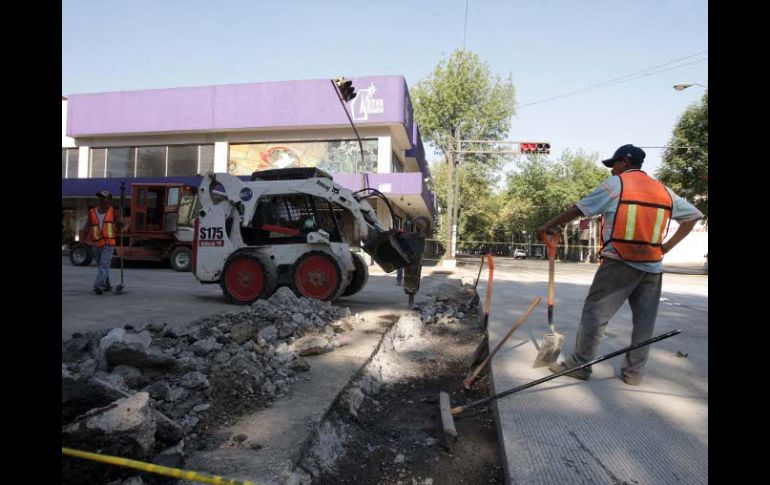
(530, 148)
(347, 91)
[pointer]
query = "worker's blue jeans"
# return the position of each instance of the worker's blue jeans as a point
(614, 283)
(103, 258)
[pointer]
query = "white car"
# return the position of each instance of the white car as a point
(519, 254)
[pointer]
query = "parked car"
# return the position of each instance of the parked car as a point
(519, 254)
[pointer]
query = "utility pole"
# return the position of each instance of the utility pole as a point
(458, 175)
(449, 255)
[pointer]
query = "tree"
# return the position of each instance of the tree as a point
(461, 98)
(685, 167)
(541, 189)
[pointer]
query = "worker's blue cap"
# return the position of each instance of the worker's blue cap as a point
(626, 151)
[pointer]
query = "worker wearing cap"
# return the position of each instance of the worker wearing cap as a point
(636, 210)
(101, 226)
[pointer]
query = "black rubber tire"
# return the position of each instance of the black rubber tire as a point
(81, 255)
(181, 252)
(337, 282)
(269, 272)
(360, 275)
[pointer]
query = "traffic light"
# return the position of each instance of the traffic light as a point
(531, 148)
(346, 88)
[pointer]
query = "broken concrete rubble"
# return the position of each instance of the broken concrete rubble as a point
(198, 378)
(124, 428)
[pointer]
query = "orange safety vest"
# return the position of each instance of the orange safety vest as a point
(642, 219)
(106, 235)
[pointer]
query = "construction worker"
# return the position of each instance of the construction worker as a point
(635, 210)
(101, 227)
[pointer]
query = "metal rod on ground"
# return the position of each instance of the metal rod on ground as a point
(457, 410)
(471, 378)
(448, 431)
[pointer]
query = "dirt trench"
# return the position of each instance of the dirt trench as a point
(384, 430)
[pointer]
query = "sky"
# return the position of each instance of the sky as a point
(549, 47)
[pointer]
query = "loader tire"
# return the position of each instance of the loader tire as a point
(247, 278)
(360, 275)
(317, 275)
(81, 255)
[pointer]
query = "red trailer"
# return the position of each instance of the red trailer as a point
(158, 227)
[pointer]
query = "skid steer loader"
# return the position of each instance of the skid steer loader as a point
(294, 227)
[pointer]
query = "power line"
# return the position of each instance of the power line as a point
(650, 71)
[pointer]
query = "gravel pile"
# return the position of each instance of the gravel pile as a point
(150, 392)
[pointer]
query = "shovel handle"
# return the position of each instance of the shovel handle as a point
(470, 379)
(489, 283)
(551, 242)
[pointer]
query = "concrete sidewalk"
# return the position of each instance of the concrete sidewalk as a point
(602, 430)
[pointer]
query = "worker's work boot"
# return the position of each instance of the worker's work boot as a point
(581, 374)
(632, 380)
(98, 290)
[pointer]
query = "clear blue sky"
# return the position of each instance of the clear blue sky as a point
(550, 47)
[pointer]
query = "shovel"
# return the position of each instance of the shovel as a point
(119, 288)
(553, 340)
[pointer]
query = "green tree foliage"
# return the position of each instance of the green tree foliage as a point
(685, 166)
(479, 203)
(462, 99)
(540, 189)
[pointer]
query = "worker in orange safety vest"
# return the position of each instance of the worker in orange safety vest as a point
(101, 227)
(636, 210)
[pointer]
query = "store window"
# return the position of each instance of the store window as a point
(182, 160)
(206, 157)
(341, 156)
(98, 163)
(151, 161)
(120, 162)
(73, 159)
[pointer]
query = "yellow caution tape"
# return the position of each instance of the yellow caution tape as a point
(152, 468)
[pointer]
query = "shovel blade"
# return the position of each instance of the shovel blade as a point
(549, 349)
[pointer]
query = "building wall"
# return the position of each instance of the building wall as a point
(66, 141)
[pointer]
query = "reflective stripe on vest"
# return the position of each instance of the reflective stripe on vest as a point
(105, 235)
(641, 221)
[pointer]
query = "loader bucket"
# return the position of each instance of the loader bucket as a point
(394, 249)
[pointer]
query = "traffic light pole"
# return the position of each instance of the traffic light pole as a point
(453, 193)
(353, 125)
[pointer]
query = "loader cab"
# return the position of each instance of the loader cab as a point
(288, 218)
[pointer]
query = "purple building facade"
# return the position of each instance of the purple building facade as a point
(180, 133)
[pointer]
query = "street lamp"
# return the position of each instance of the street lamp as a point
(683, 86)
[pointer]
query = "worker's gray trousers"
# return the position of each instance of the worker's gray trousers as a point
(614, 283)
(103, 258)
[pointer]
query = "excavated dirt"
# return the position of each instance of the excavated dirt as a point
(393, 435)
